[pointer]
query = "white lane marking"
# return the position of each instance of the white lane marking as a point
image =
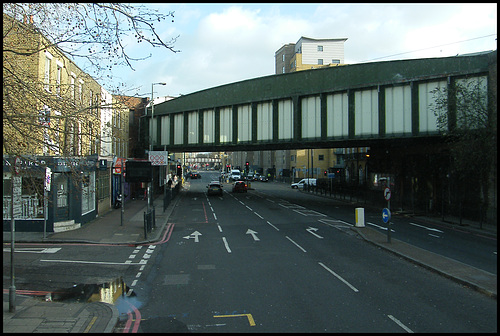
(138, 274)
(273, 226)
(380, 227)
(339, 277)
(258, 215)
(133, 283)
(427, 228)
(215, 217)
(435, 236)
(300, 247)
(225, 244)
(92, 262)
(34, 250)
(249, 208)
(220, 229)
(398, 322)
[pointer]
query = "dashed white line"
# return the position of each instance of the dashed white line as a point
(273, 226)
(300, 247)
(427, 228)
(339, 277)
(258, 215)
(225, 244)
(220, 229)
(398, 322)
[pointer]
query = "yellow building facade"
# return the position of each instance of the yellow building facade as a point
(51, 107)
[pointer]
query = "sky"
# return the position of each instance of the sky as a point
(226, 43)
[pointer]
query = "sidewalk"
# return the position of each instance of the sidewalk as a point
(35, 315)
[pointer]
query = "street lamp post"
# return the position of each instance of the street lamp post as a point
(152, 138)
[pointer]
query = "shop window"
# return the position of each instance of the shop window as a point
(88, 192)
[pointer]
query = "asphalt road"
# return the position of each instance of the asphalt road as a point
(261, 262)
(269, 260)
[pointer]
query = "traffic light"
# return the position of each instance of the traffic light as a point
(325, 173)
(179, 170)
(247, 167)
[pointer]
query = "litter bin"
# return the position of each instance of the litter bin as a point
(360, 217)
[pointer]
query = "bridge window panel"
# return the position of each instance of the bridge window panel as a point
(472, 115)
(337, 115)
(285, 119)
(192, 127)
(311, 117)
(178, 129)
(427, 119)
(165, 130)
(398, 110)
(208, 126)
(226, 125)
(244, 123)
(265, 121)
(366, 113)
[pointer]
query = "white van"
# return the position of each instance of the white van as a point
(235, 175)
(300, 184)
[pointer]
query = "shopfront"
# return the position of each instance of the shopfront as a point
(50, 194)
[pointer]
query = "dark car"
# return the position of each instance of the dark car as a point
(195, 176)
(240, 186)
(214, 188)
(262, 178)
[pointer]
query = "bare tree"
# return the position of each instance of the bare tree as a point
(464, 116)
(45, 116)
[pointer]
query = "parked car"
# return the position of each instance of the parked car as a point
(214, 188)
(301, 183)
(240, 186)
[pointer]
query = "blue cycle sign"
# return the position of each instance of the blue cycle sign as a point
(386, 215)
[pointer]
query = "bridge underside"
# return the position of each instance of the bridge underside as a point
(368, 104)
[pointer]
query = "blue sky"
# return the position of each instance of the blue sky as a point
(226, 43)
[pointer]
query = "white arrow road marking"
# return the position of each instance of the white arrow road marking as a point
(252, 232)
(194, 235)
(311, 229)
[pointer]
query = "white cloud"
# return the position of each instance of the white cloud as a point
(225, 43)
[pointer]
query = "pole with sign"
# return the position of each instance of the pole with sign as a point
(386, 213)
(47, 182)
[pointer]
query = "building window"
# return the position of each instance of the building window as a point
(73, 78)
(58, 80)
(80, 90)
(320, 48)
(283, 70)
(335, 61)
(46, 79)
(283, 57)
(321, 157)
(320, 61)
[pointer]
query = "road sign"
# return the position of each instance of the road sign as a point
(387, 194)
(386, 215)
(48, 177)
(331, 175)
